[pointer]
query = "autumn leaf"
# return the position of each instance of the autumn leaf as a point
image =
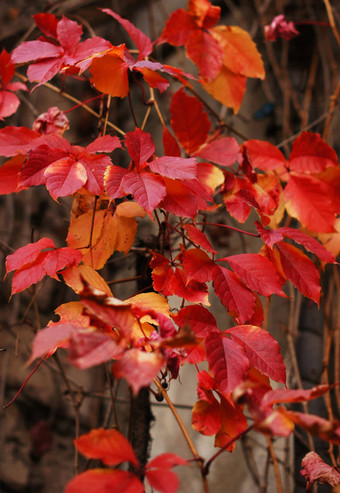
(138, 368)
(198, 237)
(261, 349)
(311, 154)
(198, 318)
(227, 361)
(9, 102)
(159, 475)
(63, 51)
(110, 446)
(197, 265)
(264, 155)
(32, 262)
(315, 470)
(101, 480)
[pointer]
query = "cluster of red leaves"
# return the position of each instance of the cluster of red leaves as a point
(224, 55)
(112, 448)
(140, 334)
(280, 28)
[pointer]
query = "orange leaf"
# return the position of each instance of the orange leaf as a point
(115, 84)
(228, 88)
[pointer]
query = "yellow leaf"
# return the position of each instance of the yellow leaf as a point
(152, 301)
(240, 52)
(228, 88)
(73, 277)
(69, 312)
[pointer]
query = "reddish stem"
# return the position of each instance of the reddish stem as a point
(81, 104)
(256, 235)
(23, 385)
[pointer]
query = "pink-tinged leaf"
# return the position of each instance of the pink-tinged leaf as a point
(177, 28)
(147, 189)
(198, 265)
(309, 200)
(299, 269)
(198, 318)
(95, 166)
(193, 291)
(310, 243)
(160, 476)
(143, 43)
(311, 154)
(261, 349)
(33, 170)
(227, 361)
(35, 50)
(314, 469)
(106, 143)
(279, 396)
(44, 70)
(224, 151)
(105, 481)
(113, 181)
(280, 28)
(239, 300)
(65, 177)
(51, 122)
(16, 140)
(91, 46)
(206, 52)
(50, 338)
(110, 446)
(68, 34)
(47, 23)
(140, 146)
(138, 368)
(9, 173)
(56, 260)
(175, 167)
(27, 254)
(179, 200)
(171, 148)
(189, 121)
(264, 155)
(199, 238)
(257, 272)
(88, 349)
(166, 461)
(9, 103)
(29, 274)
(269, 236)
(320, 427)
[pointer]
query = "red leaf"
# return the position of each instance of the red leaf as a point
(227, 361)
(198, 318)
(177, 28)
(138, 368)
(322, 428)
(264, 155)
(88, 349)
(9, 173)
(113, 181)
(309, 200)
(198, 237)
(158, 472)
(27, 254)
(269, 236)
(35, 50)
(112, 62)
(47, 23)
(171, 148)
(233, 423)
(205, 14)
(314, 469)
(198, 265)
(143, 43)
(299, 269)
(175, 167)
(147, 189)
(105, 481)
(310, 243)
(261, 349)
(140, 147)
(206, 417)
(189, 121)
(206, 52)
(193, 291)
(311, 154)
(110, 446)
(179, 199)
(106, 143)
(15, 140)
(65, 177)
(224, 151)
(161, 274)
(238, 299)
(8, 101)
(50, 338)
(257, 272)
